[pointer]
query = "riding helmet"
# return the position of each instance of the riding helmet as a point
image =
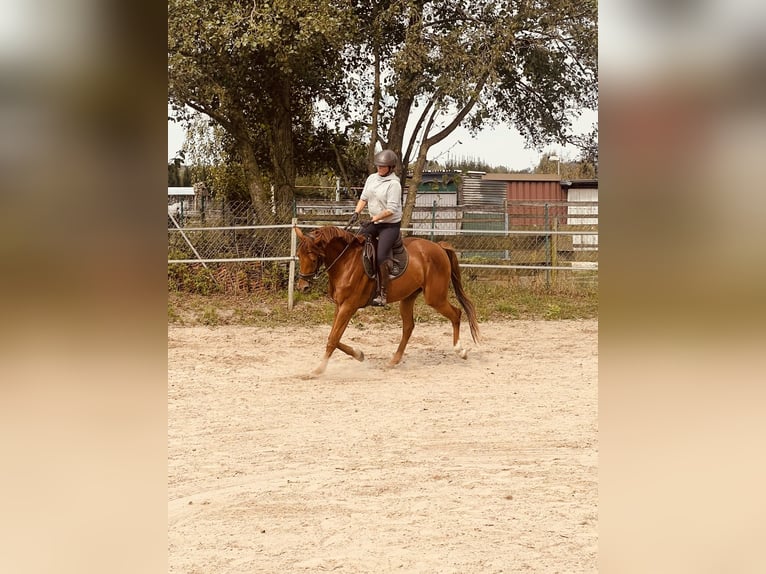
(386, 157)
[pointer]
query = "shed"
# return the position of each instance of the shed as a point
(582, 197)
(180, 192)
(436, 202)
(181, 200)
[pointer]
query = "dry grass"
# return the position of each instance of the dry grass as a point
(495, 299)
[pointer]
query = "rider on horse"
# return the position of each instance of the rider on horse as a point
(382, 194)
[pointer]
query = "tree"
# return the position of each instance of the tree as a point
(567, 169)
(257, 68)
(464, 163)
(174, 167)
(212, 159)
(178, 173)
(436, 65)
(588, 145)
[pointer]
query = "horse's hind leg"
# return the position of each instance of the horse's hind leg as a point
(453, 314)
(350, 351)
(406, 307)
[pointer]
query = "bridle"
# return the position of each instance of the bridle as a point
(313, 275)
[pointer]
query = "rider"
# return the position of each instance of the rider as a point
(382, 194)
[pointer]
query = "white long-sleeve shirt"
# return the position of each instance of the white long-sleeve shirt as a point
(383, 193)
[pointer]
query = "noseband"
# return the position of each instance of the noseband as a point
(310, 276)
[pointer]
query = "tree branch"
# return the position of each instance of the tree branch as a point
(457, 120)
(223, 120)
(416, 131)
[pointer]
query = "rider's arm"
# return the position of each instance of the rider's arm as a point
(382, 215)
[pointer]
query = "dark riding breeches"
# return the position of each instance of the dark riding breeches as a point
(387, 234)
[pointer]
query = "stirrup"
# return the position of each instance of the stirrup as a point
(379, 302)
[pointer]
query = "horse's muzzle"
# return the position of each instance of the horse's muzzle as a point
(303, 285)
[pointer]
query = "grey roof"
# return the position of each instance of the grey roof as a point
(522, 177)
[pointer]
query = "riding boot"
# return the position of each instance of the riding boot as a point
(383, 281)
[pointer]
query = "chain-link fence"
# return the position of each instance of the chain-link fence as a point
(217, 247)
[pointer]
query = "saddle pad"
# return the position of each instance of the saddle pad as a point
(401, 258)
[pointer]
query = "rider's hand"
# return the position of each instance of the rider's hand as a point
(354, 218)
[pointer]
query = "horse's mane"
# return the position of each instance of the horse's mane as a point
(330, 232)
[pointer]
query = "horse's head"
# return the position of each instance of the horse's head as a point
(310, 257)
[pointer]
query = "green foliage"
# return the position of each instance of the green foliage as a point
(568, 169)
(178, 174)
(589, 157)
(213, 159)
(191, 278)
(469, 163)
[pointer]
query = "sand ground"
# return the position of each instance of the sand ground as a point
(440, 465)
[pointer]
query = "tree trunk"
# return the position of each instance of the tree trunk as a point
(282, 158)
(341, 167)
(412, 187)
(375, 114)
(396, 131)
(254, 179)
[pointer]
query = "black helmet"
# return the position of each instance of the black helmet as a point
(386, 157)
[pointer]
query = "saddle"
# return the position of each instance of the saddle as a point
(400, 257)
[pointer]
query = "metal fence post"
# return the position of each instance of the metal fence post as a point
(291, 279)
(433, 219)
(547, 249)
(554, 249)
(506, 254)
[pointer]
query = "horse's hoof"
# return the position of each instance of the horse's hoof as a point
(392, 363)
(360, 356)
(463, 353)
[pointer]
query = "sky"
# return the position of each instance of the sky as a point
(496, 147)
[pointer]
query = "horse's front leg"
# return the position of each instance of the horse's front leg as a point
(343, 315)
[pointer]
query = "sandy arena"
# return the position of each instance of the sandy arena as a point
(439, 465)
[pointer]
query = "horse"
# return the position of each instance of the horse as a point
(430, 268)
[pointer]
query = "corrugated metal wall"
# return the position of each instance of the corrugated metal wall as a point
(543, 191)
(478, 192)
(539, 193)
(483, 208)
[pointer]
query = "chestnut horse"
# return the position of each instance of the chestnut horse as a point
(430, 268)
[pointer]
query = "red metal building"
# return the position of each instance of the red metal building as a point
(526, 196)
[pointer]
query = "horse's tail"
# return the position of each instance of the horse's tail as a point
(460, 293)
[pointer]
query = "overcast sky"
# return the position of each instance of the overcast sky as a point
(500, 146)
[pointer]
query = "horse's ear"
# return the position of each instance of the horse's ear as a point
(298, 232)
